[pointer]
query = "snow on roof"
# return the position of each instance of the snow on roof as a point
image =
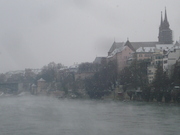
(164, 46)
(74, 66)
(172, 49)
(145, 49)
(33, 85)
(121, 48)
(63, 68)
(116, 45)
(41, 80)
(135, 45)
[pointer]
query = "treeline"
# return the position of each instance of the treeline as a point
(133, 77)
(105, 79)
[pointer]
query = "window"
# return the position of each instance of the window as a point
(165, 61)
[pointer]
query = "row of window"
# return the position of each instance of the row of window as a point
(145, 55)
(159, 57)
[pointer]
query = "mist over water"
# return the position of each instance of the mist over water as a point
(33, 115)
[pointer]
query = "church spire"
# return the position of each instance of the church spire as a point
(165, 17)
(161, 24)
(166, 23)
(165, 33)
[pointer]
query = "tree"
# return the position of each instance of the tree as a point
(160, 83)
(135, 75)
(175, 77)
(49, 72)
(175, 81)
(89, 67)
(2, 78)
(102, 81)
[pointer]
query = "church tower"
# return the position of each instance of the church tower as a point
(165, 33)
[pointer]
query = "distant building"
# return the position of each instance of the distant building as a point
(41, 86)
(171, 57)
(120, 53)
(33, 89)
(143, 50)
(165, 33)
(100, 60)
(144, 53)
(73, 68)
(157, 58)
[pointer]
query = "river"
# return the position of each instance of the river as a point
(33, 115)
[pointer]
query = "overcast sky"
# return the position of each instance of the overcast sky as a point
(36, 32)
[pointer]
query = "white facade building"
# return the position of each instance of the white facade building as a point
(170, 58)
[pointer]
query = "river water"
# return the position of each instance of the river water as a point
(33, 115)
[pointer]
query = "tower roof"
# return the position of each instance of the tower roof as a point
(161, 23)
(165, 33)
(129, 45)
(115, 45)
(166, 23)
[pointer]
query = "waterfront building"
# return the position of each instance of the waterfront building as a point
(154, 50)
(156, 58)
(165, 33)
(120, 53)
(143, 53)
(41, 86)
(171, 57)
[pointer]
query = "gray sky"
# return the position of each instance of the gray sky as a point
(36, 32)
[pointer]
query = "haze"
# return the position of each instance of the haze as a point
(34, 33)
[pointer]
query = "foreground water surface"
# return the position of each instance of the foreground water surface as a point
(31, 115)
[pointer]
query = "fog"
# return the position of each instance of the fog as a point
(40, 115)
(34, 33)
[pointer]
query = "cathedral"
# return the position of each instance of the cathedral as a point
(165, 33)
(124, 52)
(165, 38)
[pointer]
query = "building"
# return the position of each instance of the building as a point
(154, 50)
(156, 58)
(99, 60)
(120, 53)
(171, 57)
(144, 53)
(165, 33)
(41, 86)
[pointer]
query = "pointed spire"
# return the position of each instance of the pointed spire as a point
(161, 23)
(166, 23)
(165, 17)
(161, 18)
